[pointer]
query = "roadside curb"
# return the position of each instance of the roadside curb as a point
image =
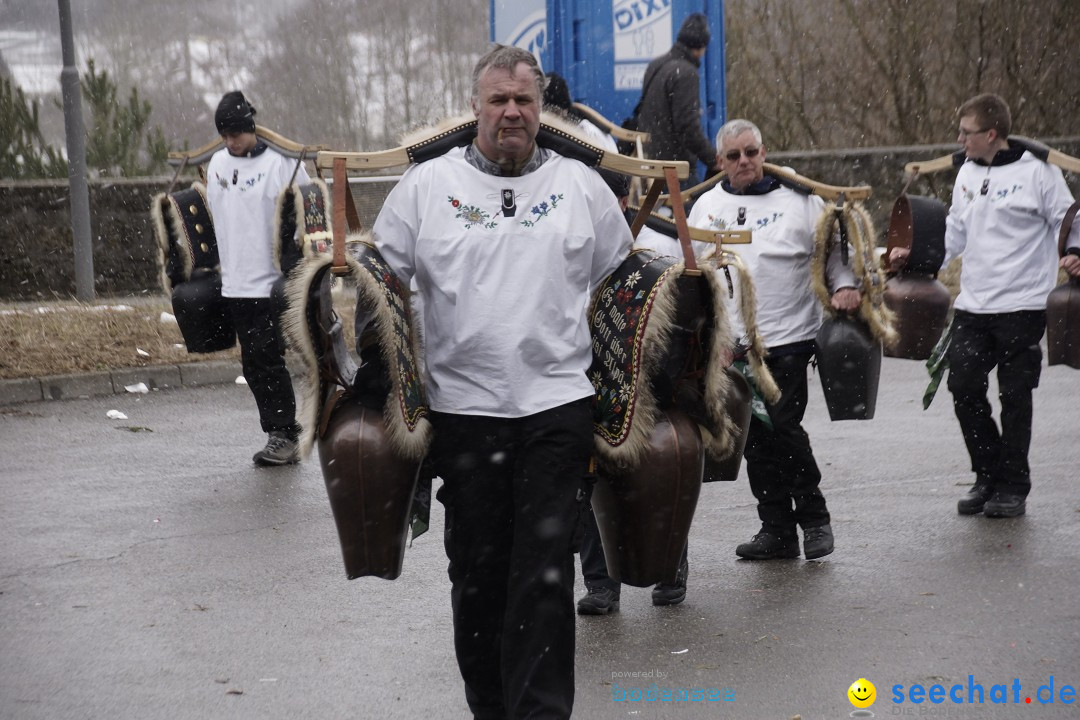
(113, 382)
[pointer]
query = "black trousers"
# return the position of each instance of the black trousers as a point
(1009, 341)
(514, 491)
(593, 564)
(262, 353)
(784, 476)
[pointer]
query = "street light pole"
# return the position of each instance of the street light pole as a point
(76, 147)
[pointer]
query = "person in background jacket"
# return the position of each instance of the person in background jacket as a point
(670, 102)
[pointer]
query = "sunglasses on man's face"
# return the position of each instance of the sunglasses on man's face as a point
(733, 155)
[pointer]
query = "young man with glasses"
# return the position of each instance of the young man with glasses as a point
(1007, 209)
(784, 476)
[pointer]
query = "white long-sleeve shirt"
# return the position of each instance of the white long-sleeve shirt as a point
(1007, 235)
(778, 259)
(242, 193)
(504, 299)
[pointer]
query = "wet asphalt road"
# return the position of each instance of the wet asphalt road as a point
(147, 570)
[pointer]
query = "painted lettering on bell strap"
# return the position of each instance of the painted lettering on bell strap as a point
(509, 203)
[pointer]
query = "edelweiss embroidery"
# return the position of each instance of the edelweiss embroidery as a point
(471, 214)
(313, 209)
(539, 212)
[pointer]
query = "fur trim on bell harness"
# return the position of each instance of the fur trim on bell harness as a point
(406, 422)
(747, 305)
(306, 207)
(184, 230)
(854, 225)
(627, 408)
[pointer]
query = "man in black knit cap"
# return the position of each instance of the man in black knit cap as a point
(243, 182)
(670, 108)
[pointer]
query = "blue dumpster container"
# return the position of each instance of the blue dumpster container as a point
(602, 47)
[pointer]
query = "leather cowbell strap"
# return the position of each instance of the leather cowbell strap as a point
(1066, 227)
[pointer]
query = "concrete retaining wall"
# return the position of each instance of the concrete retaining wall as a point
(36, 256)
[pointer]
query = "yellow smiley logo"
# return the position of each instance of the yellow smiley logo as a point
(862, 693)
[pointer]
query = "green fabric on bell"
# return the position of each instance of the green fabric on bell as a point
(757, 402)
(937, 364)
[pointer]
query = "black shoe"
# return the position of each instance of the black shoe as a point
(280, 450)
(972, 503)
(767, 546)
(599, 601)
(664, 594)
(817, 541)
(1004, 505)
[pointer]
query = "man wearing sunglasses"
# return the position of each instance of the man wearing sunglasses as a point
(784, 476)
(1006, 213)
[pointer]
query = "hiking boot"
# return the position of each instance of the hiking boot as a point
(599, 601)
(675, 593)
(1004, 505)
(768, 546)
(817, 541)
(280, 450)
(973, 501)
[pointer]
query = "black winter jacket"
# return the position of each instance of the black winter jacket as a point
(671, 111)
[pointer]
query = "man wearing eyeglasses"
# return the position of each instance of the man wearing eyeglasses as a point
(784, 476)
(1007, 209)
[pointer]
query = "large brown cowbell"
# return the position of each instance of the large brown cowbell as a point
(919, 302)
(370, 489)
(1063, 325)
(644, 514)
(1063, 309)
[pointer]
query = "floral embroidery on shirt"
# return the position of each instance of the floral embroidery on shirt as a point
(763, 222)
(539, 212)
(251, 182)
(471, 214)
(246, 185)
(716, 223)
(1006, 192)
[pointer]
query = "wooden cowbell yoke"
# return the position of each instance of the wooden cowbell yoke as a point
(849, 348)
(188, 263)
(369, 419)
(922, 316)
